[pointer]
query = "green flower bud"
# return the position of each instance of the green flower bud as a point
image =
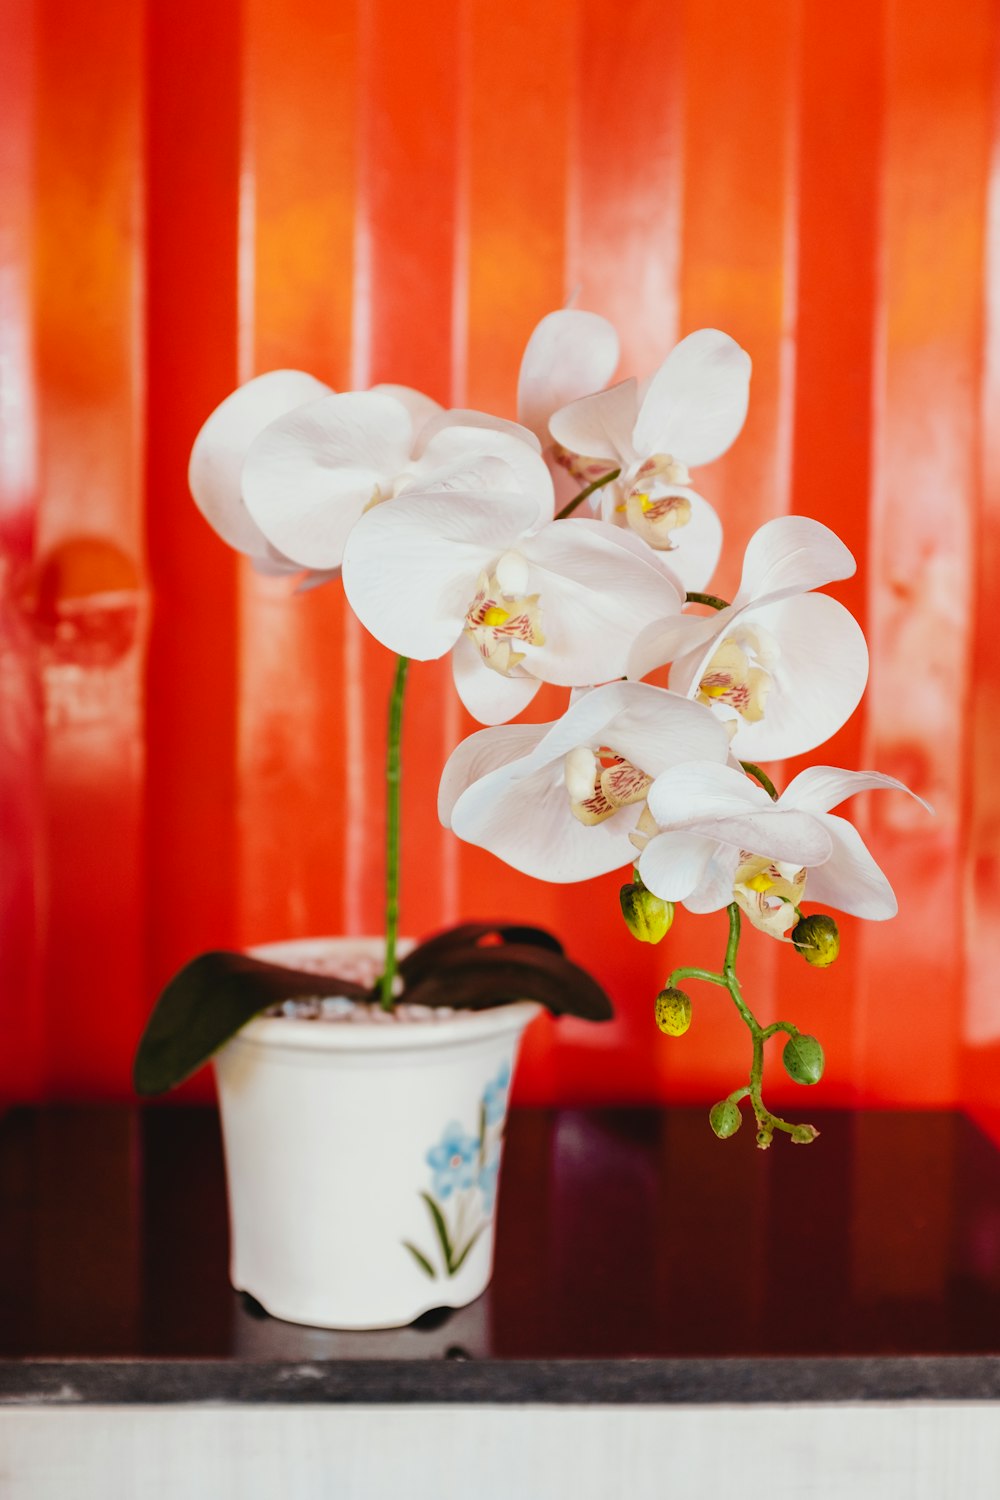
(725, 1118)
(673, 1012)
(803, 1059)
(804, 1135)
(647, 917)
(817, 939)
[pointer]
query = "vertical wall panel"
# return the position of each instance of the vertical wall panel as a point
(840, 144)
(84, 593)
(193, 175)
(981, 932)
(514, 162)
(299, 186)
(625, 184)
(738, 273)
(22, 1058)
(924, 507)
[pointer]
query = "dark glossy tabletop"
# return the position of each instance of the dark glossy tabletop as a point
(637, 1259)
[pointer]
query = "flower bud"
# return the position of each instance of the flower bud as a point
(804, 1135)
(725, 1118)
(673, 1011)
(803, 1059)
(817, 939)
(647, 917)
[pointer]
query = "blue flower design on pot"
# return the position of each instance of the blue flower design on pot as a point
(495, 1096)
(453, 1161)
(464, 1171)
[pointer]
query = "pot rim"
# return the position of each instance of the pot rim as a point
(290, 1033)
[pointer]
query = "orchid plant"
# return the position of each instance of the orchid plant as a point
(571, 548)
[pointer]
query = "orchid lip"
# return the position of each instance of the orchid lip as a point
(499, 620)
(599, 783)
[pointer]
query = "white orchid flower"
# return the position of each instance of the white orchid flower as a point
(569, 354)
(784, 667)
(688, 414)
(312, 473)
(721, 839)
(214, 473)
(472, 563)
(559, 801)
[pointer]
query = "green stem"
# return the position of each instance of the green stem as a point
(762, 777)
(585, 494)
(712, 600)
(392, 784)
(708, 975)
(767, 1123)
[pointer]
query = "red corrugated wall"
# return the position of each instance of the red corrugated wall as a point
(190, 755)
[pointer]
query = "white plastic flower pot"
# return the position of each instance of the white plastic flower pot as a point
(362, 1158)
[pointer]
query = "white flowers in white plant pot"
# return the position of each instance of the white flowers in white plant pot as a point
(568, 548)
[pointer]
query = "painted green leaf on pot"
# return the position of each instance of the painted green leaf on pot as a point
(207, 1003)
(441, 1229)
(421, 1260)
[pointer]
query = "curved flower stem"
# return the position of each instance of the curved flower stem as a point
(392, 783)
(762, 777)
(585, 494)
(767, 1123)
(712, 600)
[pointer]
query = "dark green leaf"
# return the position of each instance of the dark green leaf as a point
(207, 1003)
(475, 978)
(461, 1259)
(442, 1231)
(426, 956)
(421, 1260)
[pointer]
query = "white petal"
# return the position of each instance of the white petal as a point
(695, 554)
(673, 865)
(600, 426)
(591, 717)
(716, 888)
(721, 803)
(699, 791)
(817, 678)
(309, 476)
(422, 409)
(478, 755)
(696, 402)
(818, 788)
(785, 835)
(791, 555)
(626, 537)
(656, 730)
(411, 565)
(526, 821)
(447, 442)
(682, 639)
(489, 696)
(850, 880)
(594, 593)
(570, 354)
(221, 446)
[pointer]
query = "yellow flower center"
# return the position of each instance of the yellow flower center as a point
(769, 891)
(736, 675)
(499, 617)
(650, 515)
